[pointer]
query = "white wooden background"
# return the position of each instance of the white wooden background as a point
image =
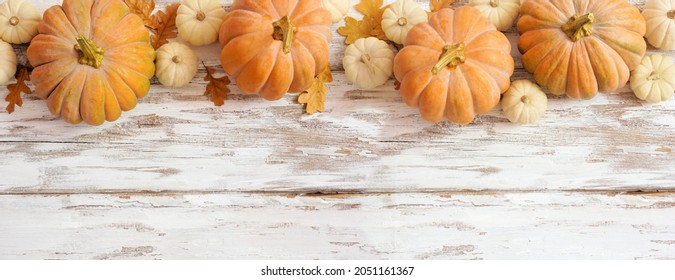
(179, 178)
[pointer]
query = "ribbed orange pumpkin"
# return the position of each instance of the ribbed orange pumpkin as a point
(455, 67)
(92, 60)
(275, 46)
(580, 47)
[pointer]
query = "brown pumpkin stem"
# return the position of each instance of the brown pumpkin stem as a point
(494, 3)
(201, 16)
(671, 14)
(453, 56)
(89, 53)
(579, 26)
(176, 59)
(284, 30)
(525, 99)
(14, 21)
(402, 21)
(654, 76)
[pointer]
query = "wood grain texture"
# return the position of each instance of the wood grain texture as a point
(180, 178)
(385, 226)
(366, 141)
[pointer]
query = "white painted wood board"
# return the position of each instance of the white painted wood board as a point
(381, 226)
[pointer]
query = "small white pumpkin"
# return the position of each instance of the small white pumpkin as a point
(368, 62)
(18, 21)
(660, 17)
(8, 62)
(502, 13)
(338, 8)
(654, 79)
(198, 21)
(524, 102)
(176, 65)
(400, 17)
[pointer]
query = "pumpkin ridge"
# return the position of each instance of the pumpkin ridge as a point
(480, 94)
(549, 67)
(560, 18)
(92, 101)
(78, 13)
(318, 54)
(309, 77)
(255, 7)
(256, 60)
(111, 107)
(455, 112)
(126, 97)
(55, 22)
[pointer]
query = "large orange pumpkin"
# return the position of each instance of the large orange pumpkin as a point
(455, 67)
(580, 47)
(275, 46)
(92, 60)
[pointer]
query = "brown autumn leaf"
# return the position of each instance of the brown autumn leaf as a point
(15, 90)
(397, 84)
(217, 87)
(315, 96)
(143, 8)
(436, 5)
(166, 25)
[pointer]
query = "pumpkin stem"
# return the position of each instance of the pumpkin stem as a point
(494, 3)
(579, 26)
(176, 59)
(365, 58)
(201, 16)
(284, 30)
(525, 99)
(402, 21)
(14, 21)
(671, 14)
(90, 54)
(654, 76)
(453, 56)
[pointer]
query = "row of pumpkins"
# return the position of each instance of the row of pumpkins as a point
(93, 59)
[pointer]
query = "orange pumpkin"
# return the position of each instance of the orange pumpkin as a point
(455, 67)
(275, 46)
(92, 60)
(580, 47)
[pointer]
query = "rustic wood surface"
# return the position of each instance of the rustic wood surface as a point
(180, 178)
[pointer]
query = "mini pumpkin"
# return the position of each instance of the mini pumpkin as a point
(368, 62)
(92, 60)
(502, 13)
(455, 67)
(338, 8)
(660, 17)
(524, 102)
(654, 79)
(400, 17)
(580, 47)
(198, 21)
(18, 21)
(8, 62)
(176, 65)
(275, 46)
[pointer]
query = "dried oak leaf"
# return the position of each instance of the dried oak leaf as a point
(15, 89)
(166, 25)
(436, 5)
(315, 96)
(143, 8)
(217, 87)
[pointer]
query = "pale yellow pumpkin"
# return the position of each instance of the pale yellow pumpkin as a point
(198, 21)
(176, 65)
(524, 102)
(400, 17)
(18, 21)
(654, 79)
(7, 62)
(660, 17)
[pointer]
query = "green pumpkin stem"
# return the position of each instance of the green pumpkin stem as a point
(284, 30)
(579, 26)
(453, 56)
(89, 53)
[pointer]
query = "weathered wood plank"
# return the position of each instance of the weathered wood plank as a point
(366, 141)
(387, 226)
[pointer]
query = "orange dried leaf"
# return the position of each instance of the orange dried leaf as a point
(217, 87)
(370, 8)
(143, 8)
(354, 30)
(315, 96)
(15, 90)
(436, 5)
(166, 25)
